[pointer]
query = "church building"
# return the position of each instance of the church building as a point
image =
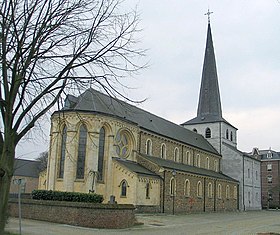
(103, 145)
(210, 123)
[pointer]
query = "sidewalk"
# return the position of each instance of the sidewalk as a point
(253, 222)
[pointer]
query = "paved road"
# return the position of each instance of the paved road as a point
(253, 222)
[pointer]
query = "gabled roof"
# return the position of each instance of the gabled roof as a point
(168, 164)
(27, 168)
(135, 167)
(97, 102)
(209, 104)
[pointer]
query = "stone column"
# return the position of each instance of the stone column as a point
(53, 160)
(111, 152)
(70, 158)
(92, 161)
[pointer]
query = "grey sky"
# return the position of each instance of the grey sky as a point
(246, 36)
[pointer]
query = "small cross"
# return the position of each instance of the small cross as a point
(208, 13)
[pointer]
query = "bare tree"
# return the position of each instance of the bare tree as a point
(52, 47)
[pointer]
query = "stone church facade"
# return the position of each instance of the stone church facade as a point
(210, 123)
(104, 145)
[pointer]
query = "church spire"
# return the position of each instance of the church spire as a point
(209, 106)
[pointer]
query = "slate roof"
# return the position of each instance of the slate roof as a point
(209, 105)
(263, 155)
(168, 164)
(135, 167)
(26, 168)
(96, 102)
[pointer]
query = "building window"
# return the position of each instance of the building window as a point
(227, 192)
(270, 197)
(176, 154)
(207, 163)
(195, 130)
(257, 175)
(235, 192)
(172, 187)
(81, 152)
(210, 190)
(207, 133)
(188, 160)
(62, 152)
(187, 188)
(269, 179)
(231, 136)
(249, 197)
(248, 172)
(199, 189)
(101, 152)
(257, 196)
(269, 154)
(148, 186)
(122, 144)
(269, 167)
(163, 151)
(227, 134)
(124, 188)
(216, 165)
(198, 160)
(219, 191)
(149, 147)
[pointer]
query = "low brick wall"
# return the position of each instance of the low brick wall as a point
(75, 213)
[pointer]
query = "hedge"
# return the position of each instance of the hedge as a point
(66, 196)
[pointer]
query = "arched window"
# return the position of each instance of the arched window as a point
(227, 134)
(210, 190)
(219, 191)
(188, 160)
(231, 136)
(172, 186)
(124, 188)
(81, 152)
(207, 163)
(149, 147)
(195, 130)
(176, 154)
(199, 189)
(163, 151)
(148, 190)
(227, 192)
(187, 188)
(198, 160)
(62, 152)
(235, 192)
(101, 153)
(216, 165)
(207, 133)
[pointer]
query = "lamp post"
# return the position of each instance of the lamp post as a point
(19, 182)
(174, 174)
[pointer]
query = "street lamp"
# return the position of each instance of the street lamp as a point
(173, 174)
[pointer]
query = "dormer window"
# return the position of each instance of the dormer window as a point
(269, 154)
(231, 136)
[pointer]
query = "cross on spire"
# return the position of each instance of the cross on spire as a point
(208, 13)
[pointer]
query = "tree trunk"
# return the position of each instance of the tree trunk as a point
(7, 164)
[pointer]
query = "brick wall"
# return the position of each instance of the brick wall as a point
(78, 214)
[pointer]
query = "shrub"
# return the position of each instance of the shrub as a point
(66, 196)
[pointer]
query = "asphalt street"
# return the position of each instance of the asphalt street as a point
(251, 222)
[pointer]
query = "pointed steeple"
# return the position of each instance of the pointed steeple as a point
(209, 105)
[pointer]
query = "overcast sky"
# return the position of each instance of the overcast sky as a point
(246, 37)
